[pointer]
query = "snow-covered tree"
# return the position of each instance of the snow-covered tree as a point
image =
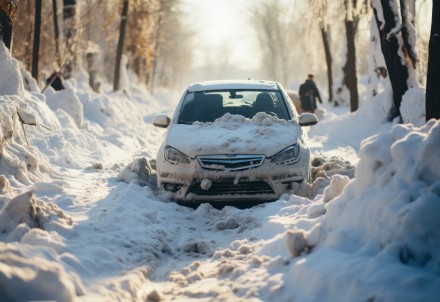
(398, 42)
(433, 83)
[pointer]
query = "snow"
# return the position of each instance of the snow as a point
(80, 219)
(233, 84)
(235, 134)
(413, 106)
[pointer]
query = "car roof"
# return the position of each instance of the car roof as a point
(233, 84)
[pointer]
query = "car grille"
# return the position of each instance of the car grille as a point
(230, 162)
(228, 187)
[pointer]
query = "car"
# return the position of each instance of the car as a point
(233, 141)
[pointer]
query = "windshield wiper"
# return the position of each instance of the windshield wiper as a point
(185, 122)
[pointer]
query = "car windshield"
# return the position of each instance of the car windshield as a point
(207, 106)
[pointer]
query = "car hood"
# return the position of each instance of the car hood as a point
(234, 135)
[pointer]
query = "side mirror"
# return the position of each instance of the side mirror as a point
(161, 121)
(307, 119)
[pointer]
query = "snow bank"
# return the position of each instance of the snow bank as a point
(39, 159)
(379, 238)
(66, 100)
(20, 163)
(24, 212)
(31, 274)
(31, 262)
(10, 80)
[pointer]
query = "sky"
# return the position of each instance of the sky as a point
(223, 32)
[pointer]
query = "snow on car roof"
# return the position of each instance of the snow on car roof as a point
(233, 84)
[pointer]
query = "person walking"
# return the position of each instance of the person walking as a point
(308, 93)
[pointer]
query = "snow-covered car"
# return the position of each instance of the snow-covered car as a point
(238, 141)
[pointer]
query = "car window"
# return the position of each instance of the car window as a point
(207, 106)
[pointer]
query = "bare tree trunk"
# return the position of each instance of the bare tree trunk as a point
(349, 79)
(69, 19)
(37, 30)
(8, 11)
(138, 68)
(328, 59)
(120, 45)
(433, 82)
(350, 74)
(6, 31)
(397, 72)
(27, 53)
(156, 54)
(56, 31)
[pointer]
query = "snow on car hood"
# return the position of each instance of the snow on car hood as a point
(234, 134)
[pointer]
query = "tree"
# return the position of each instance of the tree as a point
(350, 72)
(353, 10)
(171, 47)
(432, 82)
(37, 31)
(70, 25)
(156, 46)
(328, 60)
(272, 22)
(320, 14)
(8, 11)
(397, 39)
(143, 23)
(120, 48)
(56, 31)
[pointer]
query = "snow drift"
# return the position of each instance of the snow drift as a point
(379, 239)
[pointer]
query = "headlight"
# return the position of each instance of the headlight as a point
(175, 156)
(288, 156)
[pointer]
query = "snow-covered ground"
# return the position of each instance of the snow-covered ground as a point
(79, 222)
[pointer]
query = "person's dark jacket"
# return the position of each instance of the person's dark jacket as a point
(308, 92)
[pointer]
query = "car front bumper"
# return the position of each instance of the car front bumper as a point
(190, 183)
